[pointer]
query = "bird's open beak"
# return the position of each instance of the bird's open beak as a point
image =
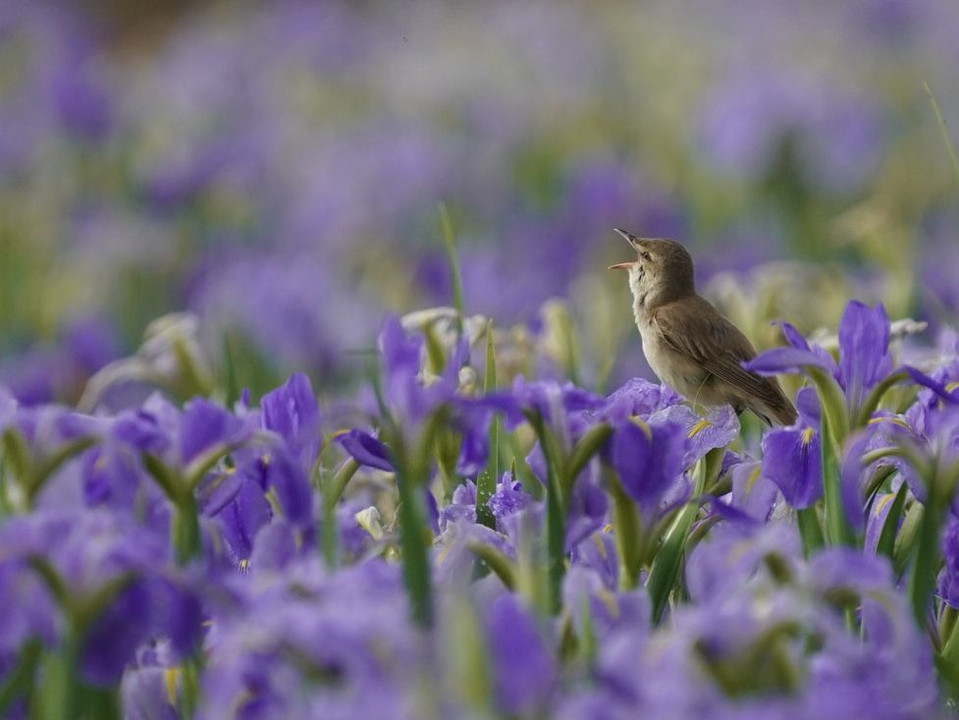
(628, 237)
(632, 240)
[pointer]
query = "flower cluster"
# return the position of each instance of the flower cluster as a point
(536, 550)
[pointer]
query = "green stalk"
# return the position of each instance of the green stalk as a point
(838, 530)
(833, 405)
(332, 491)
(926, 559)
(19, 679)
(416, 567)
(555, 515)
(58, 699)
(662, 575)
(947, 628)
(229, 373)
(943, 130)
(486, 482)
(186, 529)
(627, 531)
(502, 566)
(887, 538)
(875, 397)
(555, 546)
(449, 240)
(810, 531)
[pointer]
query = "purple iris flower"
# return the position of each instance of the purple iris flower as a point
(204, 425)
(638, 396)
(367, 450)
(523, 665)
(648, 459)
(291, 411)
(792, 460)
(309, 643)
(948, 585)
(89, 551)
(407, 396)
(716, 430)
(864, 357)
(753, 493)
(741, 648)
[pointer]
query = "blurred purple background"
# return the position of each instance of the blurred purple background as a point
(277, 169)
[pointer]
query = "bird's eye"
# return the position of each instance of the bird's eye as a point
(646, 256)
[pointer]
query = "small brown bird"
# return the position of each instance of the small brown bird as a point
(687, 342)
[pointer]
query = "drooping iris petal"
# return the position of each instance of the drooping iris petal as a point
(784, 360)
(367, 450)
(939, 389)
(241, 519)
(717, 429)
(753, 493)
(878, 514)
(792, 460)
(288, 480)
(647, 460)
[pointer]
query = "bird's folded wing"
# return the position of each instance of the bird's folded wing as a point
(719, 348)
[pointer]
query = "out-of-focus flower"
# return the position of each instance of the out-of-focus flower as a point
(90, 553)
(522, 664)
(330, 645)
(291, 411)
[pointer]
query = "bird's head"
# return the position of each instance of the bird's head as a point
(662, 268)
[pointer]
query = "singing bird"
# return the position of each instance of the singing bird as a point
(688, 343)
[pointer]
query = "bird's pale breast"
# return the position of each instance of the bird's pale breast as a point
(682, 374)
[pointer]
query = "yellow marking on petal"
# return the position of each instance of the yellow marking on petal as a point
(898, 420)
(883, 501)
(274, 501)
(170, 676)
(753, 477)
(341, 431)
(807, 436)
(609, 600)
(608, 528)
(952, 386)
(700, 425)
(642, 425)
(244, 564)
(600, 545)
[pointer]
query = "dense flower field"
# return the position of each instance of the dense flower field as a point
(467, 550)
(301, 494)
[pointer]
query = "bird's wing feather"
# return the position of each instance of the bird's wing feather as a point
(719, 347)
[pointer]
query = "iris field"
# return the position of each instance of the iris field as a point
(317, 401)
